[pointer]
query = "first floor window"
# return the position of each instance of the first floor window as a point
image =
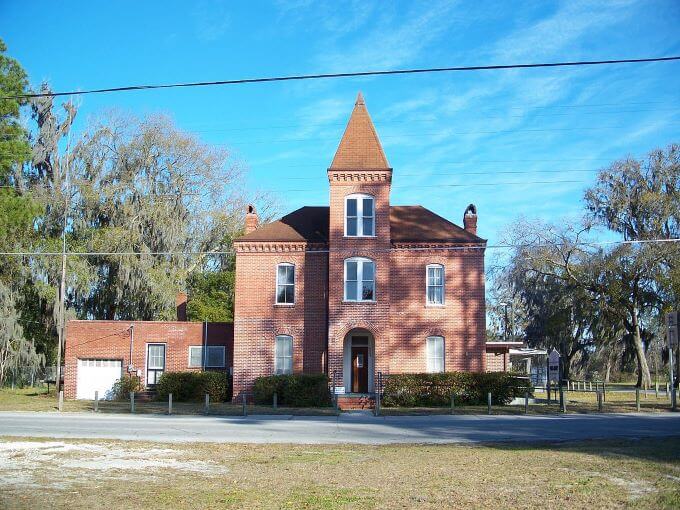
(215, 356)
(155, 363)
(283, 355)
(285, 284)
(435, 354)
(359, 280)
(435, 284)
(195, 356)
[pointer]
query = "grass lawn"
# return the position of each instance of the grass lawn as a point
(77, 474)
(36, 399)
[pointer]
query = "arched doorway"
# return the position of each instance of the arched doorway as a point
(358, 361)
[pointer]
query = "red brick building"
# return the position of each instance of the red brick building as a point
(97, 353)
(359, 287)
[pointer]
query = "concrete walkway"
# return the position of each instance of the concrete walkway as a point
(346, 428)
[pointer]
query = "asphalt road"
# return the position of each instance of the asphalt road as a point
(347, 428)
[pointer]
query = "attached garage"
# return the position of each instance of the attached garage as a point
(97, 375)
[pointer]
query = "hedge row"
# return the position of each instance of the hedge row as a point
(433, 390)
(188, 386)
(296, 390)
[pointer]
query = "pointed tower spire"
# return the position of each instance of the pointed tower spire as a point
(360, 148)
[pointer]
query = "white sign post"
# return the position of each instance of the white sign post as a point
(555, 374)
(672, 335)
(554, 366)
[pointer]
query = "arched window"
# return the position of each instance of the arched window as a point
(285, 284)
(359, 279)
(359, 215)
(283, 355)
(434, 283)
(435, 354)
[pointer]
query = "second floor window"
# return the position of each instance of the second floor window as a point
(283, 355)
(359, 216)
(285, 284)
(359, 279)
(435, 284)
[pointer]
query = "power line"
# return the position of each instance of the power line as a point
(301, 77)
(411, 121)
(434, 134)
(423, 186)
(443, 248)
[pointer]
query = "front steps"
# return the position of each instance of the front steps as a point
(356, 402)
(145, 396)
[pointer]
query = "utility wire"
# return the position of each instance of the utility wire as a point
(301, 77)
(444, 248)
(442, 132)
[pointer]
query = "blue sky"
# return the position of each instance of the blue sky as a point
(438, 130)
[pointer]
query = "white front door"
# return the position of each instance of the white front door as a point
(97, 375)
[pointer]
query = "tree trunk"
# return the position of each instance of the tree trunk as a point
(644, 378)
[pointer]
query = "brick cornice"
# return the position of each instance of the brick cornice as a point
(416, 247)
(382, 175)
(278, 247)
(268, 247)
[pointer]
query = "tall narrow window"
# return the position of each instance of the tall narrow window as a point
(435, 354)
(359, 216)
(283, 355)
(155, 363)
(359, 279)
(435, 284)
(285, 284)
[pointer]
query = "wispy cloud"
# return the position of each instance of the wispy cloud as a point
(211, 20)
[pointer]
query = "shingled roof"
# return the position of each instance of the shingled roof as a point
(408, 223)
(360, 148)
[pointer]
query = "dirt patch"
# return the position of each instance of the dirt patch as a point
(31, 464)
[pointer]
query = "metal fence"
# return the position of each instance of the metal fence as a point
(20, 377)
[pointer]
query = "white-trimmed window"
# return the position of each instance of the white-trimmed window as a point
(435, 354)
(435, 284)
(285, 284)
(214, 356)
(283, 355)
(359, 279)
(195, 356)
(359, 215)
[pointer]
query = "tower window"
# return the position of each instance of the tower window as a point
(359, 279)
(359, 216)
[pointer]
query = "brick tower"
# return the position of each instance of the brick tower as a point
(358, 176)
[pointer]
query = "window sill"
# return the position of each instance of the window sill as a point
(433, 305)
(359, 237)
(284, 305)
(367, 302)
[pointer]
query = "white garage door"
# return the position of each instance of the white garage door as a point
(97, 375)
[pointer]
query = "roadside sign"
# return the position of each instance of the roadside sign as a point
(554, 366)
(672, 329)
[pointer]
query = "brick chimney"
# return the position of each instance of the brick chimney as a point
(252, 220)
(181, 305)
(470, 219)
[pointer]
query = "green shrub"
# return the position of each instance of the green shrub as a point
(434, 390)
(192, 386)
(295, 390)
(122, 387)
